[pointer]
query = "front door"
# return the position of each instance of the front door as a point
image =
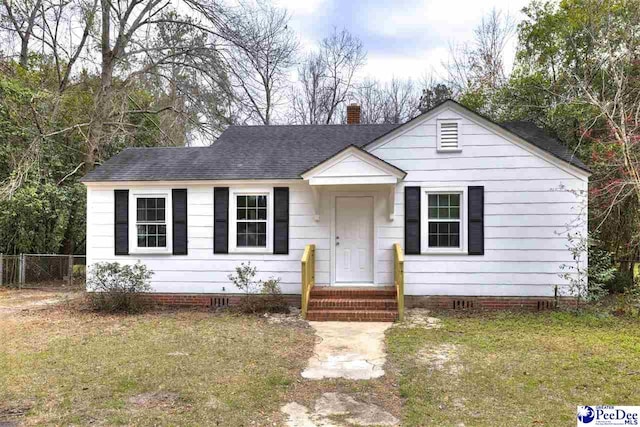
(354, 239)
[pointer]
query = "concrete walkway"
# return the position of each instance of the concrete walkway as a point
(351, 350)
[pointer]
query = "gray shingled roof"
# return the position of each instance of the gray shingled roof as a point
(241, 152)
(539, 137)
(269, 152)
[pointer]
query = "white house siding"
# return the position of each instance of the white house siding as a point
(202, 271)
(526, 212)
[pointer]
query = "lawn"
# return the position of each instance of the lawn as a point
(61, 366)
(514, 369)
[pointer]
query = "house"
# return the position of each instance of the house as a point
(479, 210)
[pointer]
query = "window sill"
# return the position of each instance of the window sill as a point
(250, 251)
(143, 251)
(449, 150)
(444, 252)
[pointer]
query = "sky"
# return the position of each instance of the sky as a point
(403, 38)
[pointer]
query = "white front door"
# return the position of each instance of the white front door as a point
(354, 239)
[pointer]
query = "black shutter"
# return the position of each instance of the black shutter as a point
(281, 220)
(476, 221)
(412, 199)
(121, 229)
(179, 217)
(221, 220)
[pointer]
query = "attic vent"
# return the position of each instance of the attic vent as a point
(449, 135)
(461, 304)
(219, 302)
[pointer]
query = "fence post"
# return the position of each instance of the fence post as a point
(1, 268)
(22, 270)
(70, 270)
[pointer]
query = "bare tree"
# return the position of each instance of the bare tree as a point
(371, 98)
(342, 55)
(20, 17)
(307, 100)
(262, 52)
(480, 64)
(401, 101)
(434, 92)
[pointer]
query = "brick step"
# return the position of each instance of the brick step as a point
(330, 292)
(353, 304)
(352, 315)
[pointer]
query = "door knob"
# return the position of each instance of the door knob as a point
(337, 243)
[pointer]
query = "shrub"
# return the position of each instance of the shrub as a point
(586, 282)
(117, 287)
(258, 296)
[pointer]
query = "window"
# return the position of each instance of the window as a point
(444, 220)
(449, 135)
(151, 223)
(251, 221)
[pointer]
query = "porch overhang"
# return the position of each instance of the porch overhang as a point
(353, 166)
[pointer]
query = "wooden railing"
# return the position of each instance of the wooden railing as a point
(398, 278)
(308, 275)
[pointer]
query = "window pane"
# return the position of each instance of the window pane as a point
(454, 240)
(262, 201)
(444, 234)
(252, 201)
(242, 214)
(152, 229)
(443, 200)
(433, 213)
(443, 213)
(141, 214)
(162, 229)
(433, 200)
(262, 227)
(433, 227)
(160, 203)
(251, 240)
(262, 213)
(454, 200)
(241, 240)
(152, 241)
(242, 201)
(162, 241)
(262, 240)
(252, 214)
(454, 213)
(433, 240)
(443, 240)
(160, 216)
(142, 241)
(252, 227)
(151, 203)
(242, 227)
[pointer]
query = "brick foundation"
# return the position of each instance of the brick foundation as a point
(411, 301)
(206, 300)
(485, 303)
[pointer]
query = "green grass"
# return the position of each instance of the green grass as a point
(516, 369)
(60, 367)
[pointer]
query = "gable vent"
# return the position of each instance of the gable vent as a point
(449, 135)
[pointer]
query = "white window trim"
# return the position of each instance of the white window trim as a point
(439, 123)
(424, 221)
(233, 220)
(133, 230)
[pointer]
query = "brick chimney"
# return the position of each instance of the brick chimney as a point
(353, 114)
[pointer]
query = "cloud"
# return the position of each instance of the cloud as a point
(404, 38)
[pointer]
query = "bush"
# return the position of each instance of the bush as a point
(116, 287)
(258, 296)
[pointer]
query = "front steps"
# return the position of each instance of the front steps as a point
(357, 304)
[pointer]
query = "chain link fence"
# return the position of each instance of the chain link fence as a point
(42, 270)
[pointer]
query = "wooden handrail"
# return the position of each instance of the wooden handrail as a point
(398, 278)
(308, 275)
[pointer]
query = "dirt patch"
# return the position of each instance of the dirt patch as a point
(293, 318)
(443, 357)
(420, 318)
(10, 415)
(17, 300)
(155, 399)
(337, 409)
